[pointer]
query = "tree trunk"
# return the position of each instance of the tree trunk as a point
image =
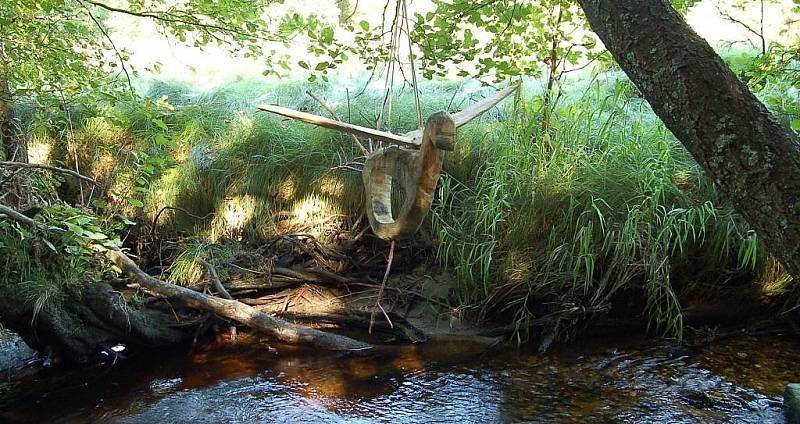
(753, 161)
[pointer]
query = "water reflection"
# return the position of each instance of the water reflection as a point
(614, 381)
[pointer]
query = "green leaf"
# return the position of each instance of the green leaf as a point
(327, 35)
(74, 229)
(135, 202)
(125, 220)
(322, 66)
(95, 235)
(796, 125)
(160, 124)
(303, 64)
(49, 245)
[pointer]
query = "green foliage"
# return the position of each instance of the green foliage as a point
(59, 52)
(503, 38)
(774, 77)
(52, 52)
(615, 205)
(186, 270)
(496, 38)
(42, 265)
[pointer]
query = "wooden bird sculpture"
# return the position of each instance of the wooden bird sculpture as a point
(415, 172)
(414, 167)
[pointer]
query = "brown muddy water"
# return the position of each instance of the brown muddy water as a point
(603, 380)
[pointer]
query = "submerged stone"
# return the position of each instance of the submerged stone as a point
(14, 353)
(791, 403)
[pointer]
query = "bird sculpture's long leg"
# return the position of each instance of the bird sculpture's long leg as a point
(380, 291)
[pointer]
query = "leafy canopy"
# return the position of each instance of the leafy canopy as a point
(58, 51)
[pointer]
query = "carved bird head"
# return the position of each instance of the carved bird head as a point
(442, 131)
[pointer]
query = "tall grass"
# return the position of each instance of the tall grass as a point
(611, 204)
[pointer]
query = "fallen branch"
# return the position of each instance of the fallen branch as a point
(273, 283)
(401, 329)
(231, 309)
(10, 164)
(13, 214)
(237, 311)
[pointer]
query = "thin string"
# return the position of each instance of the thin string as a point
(417, 103)
(386, 104)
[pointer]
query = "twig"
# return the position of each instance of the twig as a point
(10, 177)
(380, 291)
(175, 208)
(10, 164)
(13, 214)
(114, 46)
(212, 273)
(335, 116)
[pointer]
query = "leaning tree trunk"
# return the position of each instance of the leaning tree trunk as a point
(754, 161)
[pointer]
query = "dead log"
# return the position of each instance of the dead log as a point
(401, 329)
(237, 311)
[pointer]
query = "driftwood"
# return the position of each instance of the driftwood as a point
(413, 168)
(237, 311)
(401, 329)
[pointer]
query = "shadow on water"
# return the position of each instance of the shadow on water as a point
(617, 380)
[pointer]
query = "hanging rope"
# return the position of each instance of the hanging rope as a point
(400, 24)
(394, 41)
(417, 103)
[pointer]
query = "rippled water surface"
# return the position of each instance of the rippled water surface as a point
(734, 380)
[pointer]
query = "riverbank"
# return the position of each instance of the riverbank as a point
(604, 216)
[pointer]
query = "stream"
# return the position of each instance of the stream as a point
(608, 379)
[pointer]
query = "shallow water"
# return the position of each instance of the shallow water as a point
(734, 380)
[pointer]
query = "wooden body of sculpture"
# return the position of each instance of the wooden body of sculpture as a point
(414, 168)
(415, 172)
